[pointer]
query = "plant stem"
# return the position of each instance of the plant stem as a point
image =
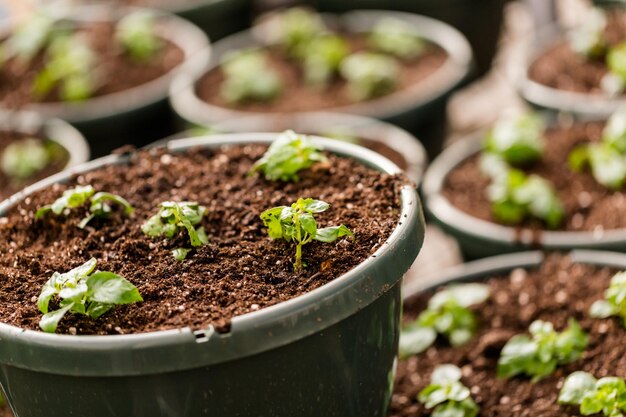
(298, 264)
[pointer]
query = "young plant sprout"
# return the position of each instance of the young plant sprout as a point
(605, 395)
(295, 28)
(369, 74)
(614, 303)
(23, 159)
(588, 39)
(69, 67)
(289, 154)
(538, 355)
(518, 139)
(515, 197)
(397, 38)
(323, 57)
(174, 217)
(248, 76)
(100, 207)
(136, 33)
(83, 291)
(448, 314)
(29, 38)
(614, 82)
(296, 223)
(447, 394)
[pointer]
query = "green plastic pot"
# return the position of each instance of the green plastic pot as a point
(217, 18)
(137, 115)
(480, 238)
(329, 352)
(480, 21)
(419, 109)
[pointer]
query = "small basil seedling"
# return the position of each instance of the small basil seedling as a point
(323, 57)
(23, 159)
(296, 223)
(447, 394)
(369, 75)
(518, 139)
(608, 165)
(137, 35)
(289, 154)
(396, 37)
(538, 355)
(295, 28)
(614, 303)
(588, 39)
(448, 314)
(248, 76)
(605, 395)
(82, 291)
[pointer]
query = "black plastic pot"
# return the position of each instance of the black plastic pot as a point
(140, 114)
(480, 238)
(329, 352)
(419, 109)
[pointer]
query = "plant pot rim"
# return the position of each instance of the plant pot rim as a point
(586, 105)
(190, 39)
(445, 212)
(192, 108)
(255, 332)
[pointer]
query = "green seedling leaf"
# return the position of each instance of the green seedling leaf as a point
(606, 395)
(72, 198)
(539, 355)
(249, 77)
(614, 133)
(180, 254)
(608, 165)
(295, 28)
(397, 38)
(29, 38)
(369, 75)
(101, 207)
(415, 339)
(447, 395)
(517, 139)
(80, 291)
(296, 223)
(614, 81)
(588, 39)
(322, 59)
(289, 154)
(137, 35)
(23, 159)
(614, 303)
(575, 387)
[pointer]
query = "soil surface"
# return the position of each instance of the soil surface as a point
(588, 205)
(9, 186)
(240, 270)
(561, 67)
(297, 96)
(116, 71)
(386, 151)
(555, 292)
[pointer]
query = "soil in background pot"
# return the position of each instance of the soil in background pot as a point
(240, 270)
(297, 96)
(588, 205)
(554, 292)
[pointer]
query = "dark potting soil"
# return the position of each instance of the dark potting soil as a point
(240, 270)
(297, 96)
(116, 71)
(588, 205)
(556, 291)
(386, 151)
(58, 161)
(562, 68)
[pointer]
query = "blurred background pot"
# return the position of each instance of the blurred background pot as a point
(419, 109)
(330, 352)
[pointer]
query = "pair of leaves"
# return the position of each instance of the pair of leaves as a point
(369, 74)
(296, 223)
(448, 314)
(614, 303)
(539, 355)
(83, 291)
(397, 38)
(447, 395)
(517, 139)
(100, 204)
(248, 76)
(289, 154)
(172, 218)
(606, 395)
(136, 33)
(323, 57)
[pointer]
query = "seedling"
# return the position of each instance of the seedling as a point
(23, 159)
(174, 217)
(539, 355)
(82, 291)
(614, 81)
(70, 67)
(605, 395)
(136, 33)
(296, 223)
(614, 133)
(447, 394)
(248, 76)
(323, 58)
(295, 28)
(447, 314)
(100, 207)
(29, 38)
(614, 303)
(397, 38)
(289, 154)
(515, 197)
(588, 39)
(518, 139)
(369, 75)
